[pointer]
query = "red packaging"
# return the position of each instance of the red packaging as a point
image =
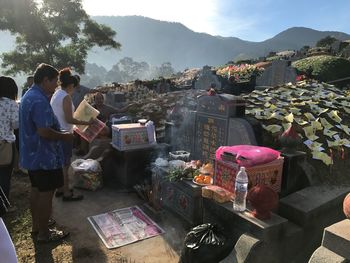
(268, 174)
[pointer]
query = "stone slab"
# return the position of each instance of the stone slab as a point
(244, 248)
(311, 202)
(293, 178)
(244, 222)
(324, 255)
(337, 238)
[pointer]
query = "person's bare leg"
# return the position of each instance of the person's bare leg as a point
(45, 206)
(34, 195)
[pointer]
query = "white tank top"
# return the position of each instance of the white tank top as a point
(57, 107)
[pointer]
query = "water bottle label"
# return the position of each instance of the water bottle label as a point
(241, 187)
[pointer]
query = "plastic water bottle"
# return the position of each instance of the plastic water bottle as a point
(241, 190)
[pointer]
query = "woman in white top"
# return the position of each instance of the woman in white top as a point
(9, 118)
(61, 103)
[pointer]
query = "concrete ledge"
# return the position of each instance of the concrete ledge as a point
(337, 238)
(245, 223)
(324, 255)
(307, 205)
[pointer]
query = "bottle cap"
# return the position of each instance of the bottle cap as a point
(242, 169)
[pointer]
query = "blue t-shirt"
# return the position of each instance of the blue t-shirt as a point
(36, 152)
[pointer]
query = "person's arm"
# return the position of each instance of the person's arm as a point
(14, 115)
(51, 134)
(44, 121)
(124, 109)
(68, 113)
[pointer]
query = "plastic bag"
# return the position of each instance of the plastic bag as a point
(249, 155)
(88, 181)
(87, 174)
(89, 165)
(205, 244)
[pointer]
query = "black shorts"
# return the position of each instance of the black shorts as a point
(46, 180)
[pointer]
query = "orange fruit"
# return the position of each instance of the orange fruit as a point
(207, 180)
(199, 180)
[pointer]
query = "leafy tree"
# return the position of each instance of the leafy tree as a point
(58, 32)
(165, 70)
(325, 42)
(131, 70)
(114, 75)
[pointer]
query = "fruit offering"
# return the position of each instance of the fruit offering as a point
(203, 179)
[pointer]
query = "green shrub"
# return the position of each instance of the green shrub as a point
(324, 68)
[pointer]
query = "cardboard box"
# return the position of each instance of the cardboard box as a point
(129, 136)
(269, 174)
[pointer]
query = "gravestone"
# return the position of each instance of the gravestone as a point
(278, 73)
(207, 79)
(115, 99)
(220, 121)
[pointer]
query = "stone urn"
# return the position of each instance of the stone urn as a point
(263, 199)
(346, 206)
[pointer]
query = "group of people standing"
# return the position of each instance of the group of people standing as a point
(45, 121)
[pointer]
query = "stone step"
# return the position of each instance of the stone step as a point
(307, 206)
(324, 255)
(337, 238)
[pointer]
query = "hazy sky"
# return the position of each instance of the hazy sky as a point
(253, 20)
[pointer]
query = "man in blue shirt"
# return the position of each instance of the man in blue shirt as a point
(41, 150)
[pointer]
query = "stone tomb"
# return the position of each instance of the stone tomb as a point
(206, 79)
(220, 121)
(278, 73)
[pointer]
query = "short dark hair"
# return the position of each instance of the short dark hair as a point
(8, 88)
(44, 70)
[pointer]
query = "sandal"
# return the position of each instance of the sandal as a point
(72, 197)
(51, 222)
(54, 235)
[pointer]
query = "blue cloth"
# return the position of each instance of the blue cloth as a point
(38, 153)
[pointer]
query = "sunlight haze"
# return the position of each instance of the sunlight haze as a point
(246, 19)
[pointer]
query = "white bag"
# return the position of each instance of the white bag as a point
(87, 174)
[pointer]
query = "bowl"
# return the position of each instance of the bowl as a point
(179, 155)
(142, 121)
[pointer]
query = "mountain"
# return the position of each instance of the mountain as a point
(156, 42)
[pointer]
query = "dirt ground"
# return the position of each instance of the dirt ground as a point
(84, 245)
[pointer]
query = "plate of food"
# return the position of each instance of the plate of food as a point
(203, 180)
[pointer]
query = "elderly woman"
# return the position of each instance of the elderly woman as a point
(9, 119)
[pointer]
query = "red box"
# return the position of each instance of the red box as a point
(269, 174)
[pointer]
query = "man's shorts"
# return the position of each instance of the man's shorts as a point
(67, 152)
(46, 180)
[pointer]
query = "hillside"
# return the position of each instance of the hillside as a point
(155, 42)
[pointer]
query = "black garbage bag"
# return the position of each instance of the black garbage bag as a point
(205, 244)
